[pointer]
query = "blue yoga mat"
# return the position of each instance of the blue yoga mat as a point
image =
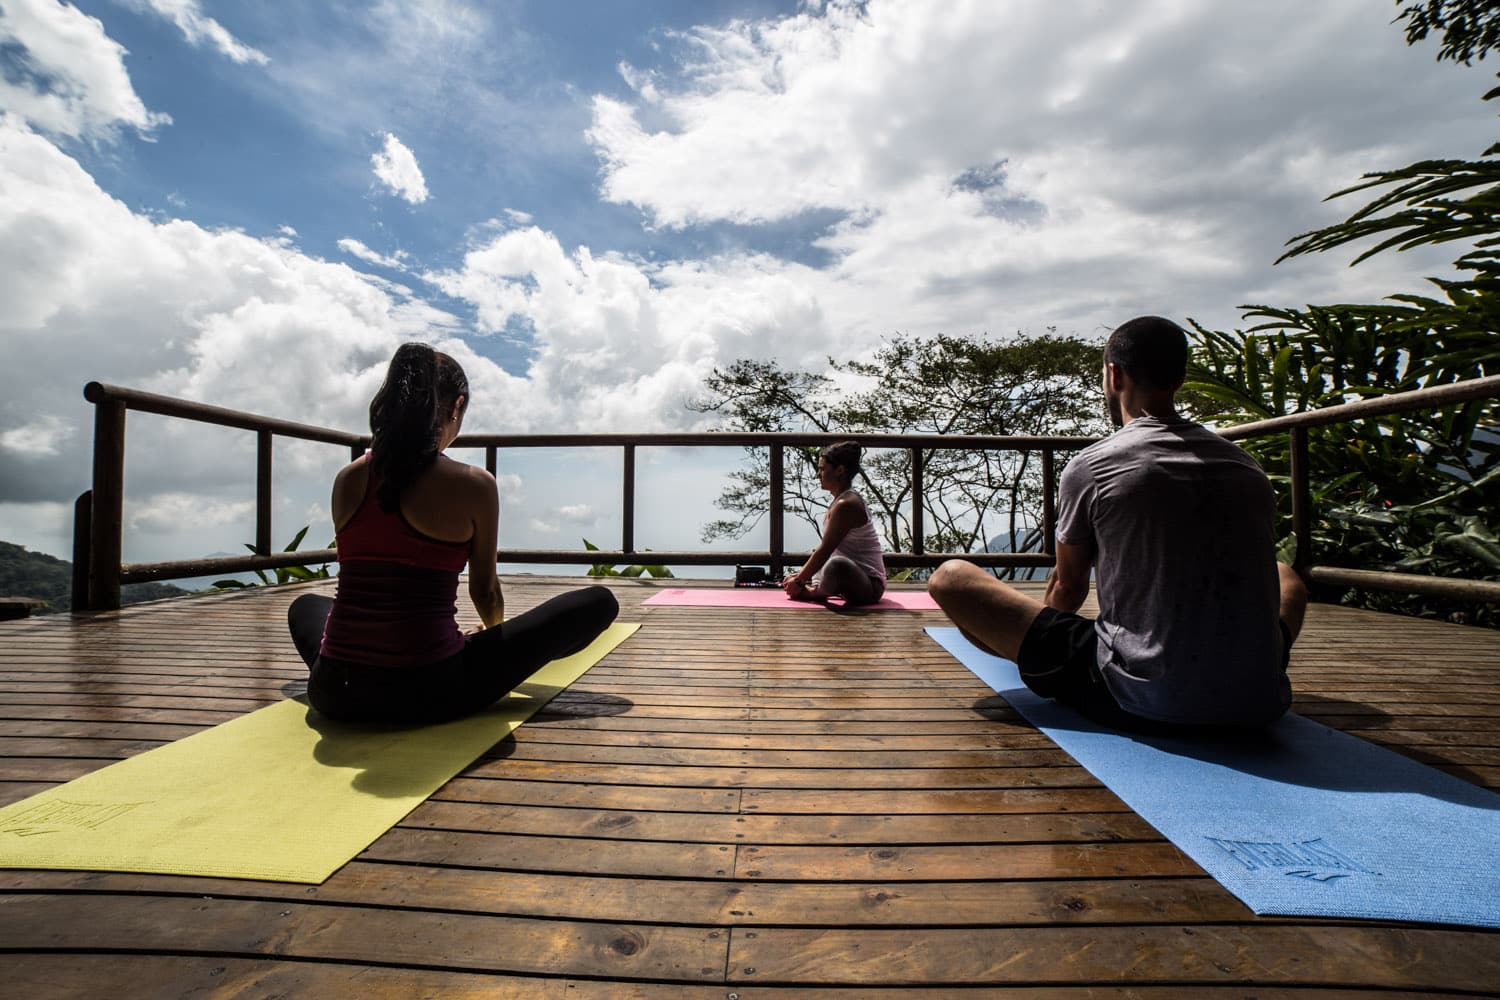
(1306, 821)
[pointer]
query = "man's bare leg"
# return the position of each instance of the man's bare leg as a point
(1293, 598)
(991, 614)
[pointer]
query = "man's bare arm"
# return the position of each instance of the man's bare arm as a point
(1069, 583)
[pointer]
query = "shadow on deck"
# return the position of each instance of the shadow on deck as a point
(753, 803)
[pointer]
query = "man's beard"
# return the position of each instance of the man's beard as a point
(1114, 411)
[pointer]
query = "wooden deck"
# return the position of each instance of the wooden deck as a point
(751, 804)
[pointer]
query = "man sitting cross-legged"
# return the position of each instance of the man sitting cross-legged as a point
(1196, 617)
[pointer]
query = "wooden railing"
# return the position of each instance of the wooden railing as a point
(1296, 425)
(98, 570)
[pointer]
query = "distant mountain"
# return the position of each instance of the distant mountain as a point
(24, 573)
(1011, 542)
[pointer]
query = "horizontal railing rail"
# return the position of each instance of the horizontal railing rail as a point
(1296, 426)
(99, 570)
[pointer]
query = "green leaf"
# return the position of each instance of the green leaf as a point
(1279, 367)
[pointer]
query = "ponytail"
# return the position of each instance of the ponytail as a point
(407, 415)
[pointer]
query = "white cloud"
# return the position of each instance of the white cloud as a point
(397, 169)
(1000, 170)
(200, 29)
(94, 291)
(622, 343)
(41, 437)
(355, 248)
(170, 513)
(572, 515)
(67, 77)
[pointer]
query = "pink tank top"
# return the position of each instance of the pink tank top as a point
(397, 599)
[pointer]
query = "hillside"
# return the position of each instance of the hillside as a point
(24, 573)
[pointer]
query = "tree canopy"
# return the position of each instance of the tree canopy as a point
(946, 384)
(1470, 28)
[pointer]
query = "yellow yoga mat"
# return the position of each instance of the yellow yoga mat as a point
(272, 795)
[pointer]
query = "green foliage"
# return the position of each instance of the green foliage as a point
(1407, 492)
(605, 569)
(1470, 27)
(284, 574)
(24, 573)
(940, 385)
(1412, 492)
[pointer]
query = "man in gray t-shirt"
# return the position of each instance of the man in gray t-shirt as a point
(1196, 618)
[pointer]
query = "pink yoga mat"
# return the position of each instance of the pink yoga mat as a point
(774, 597)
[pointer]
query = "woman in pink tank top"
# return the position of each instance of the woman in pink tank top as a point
(847, 562)
(387, 647)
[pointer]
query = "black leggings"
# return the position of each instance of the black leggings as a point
(492, 661)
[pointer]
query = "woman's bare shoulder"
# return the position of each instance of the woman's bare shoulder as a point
(849, 500)
(349, 489)
(355, 469)
(472, 479)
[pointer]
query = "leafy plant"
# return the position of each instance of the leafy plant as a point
(1413, 492)
(941, 385)
(284, 574)
(605, 569)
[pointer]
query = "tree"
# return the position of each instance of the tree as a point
(939, 385)
(1414, 492)
(1470, 27)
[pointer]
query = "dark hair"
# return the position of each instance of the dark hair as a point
(1153, 351)
(845, 453)
(407, 415)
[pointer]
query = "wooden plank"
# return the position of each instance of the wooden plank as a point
(945, 862)
(541, 854)
(786, 777)
(727, 826)
(979, 801)
(1405, 958)
(219, 978)
(722, 902)
(43, 975)
(244, 928)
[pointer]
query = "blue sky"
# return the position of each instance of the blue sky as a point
(592, 204)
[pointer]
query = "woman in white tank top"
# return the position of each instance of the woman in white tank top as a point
(847, 562)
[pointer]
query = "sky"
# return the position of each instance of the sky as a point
(591, 204)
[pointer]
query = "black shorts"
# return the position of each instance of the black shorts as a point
(1059, 659)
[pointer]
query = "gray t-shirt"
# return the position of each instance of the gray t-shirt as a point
(1181, 524)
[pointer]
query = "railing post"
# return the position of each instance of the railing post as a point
(1302, 512)
(263, 446)
(490, 462)
(778, 536)
(83, 509)
(1049, 503)
(918, 528)
(106, 522)
(627, 531)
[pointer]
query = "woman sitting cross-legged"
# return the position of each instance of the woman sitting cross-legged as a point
(387, 647)
(847, 562)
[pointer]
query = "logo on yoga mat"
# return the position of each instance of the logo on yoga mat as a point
(59, 815)
(1313, 859)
